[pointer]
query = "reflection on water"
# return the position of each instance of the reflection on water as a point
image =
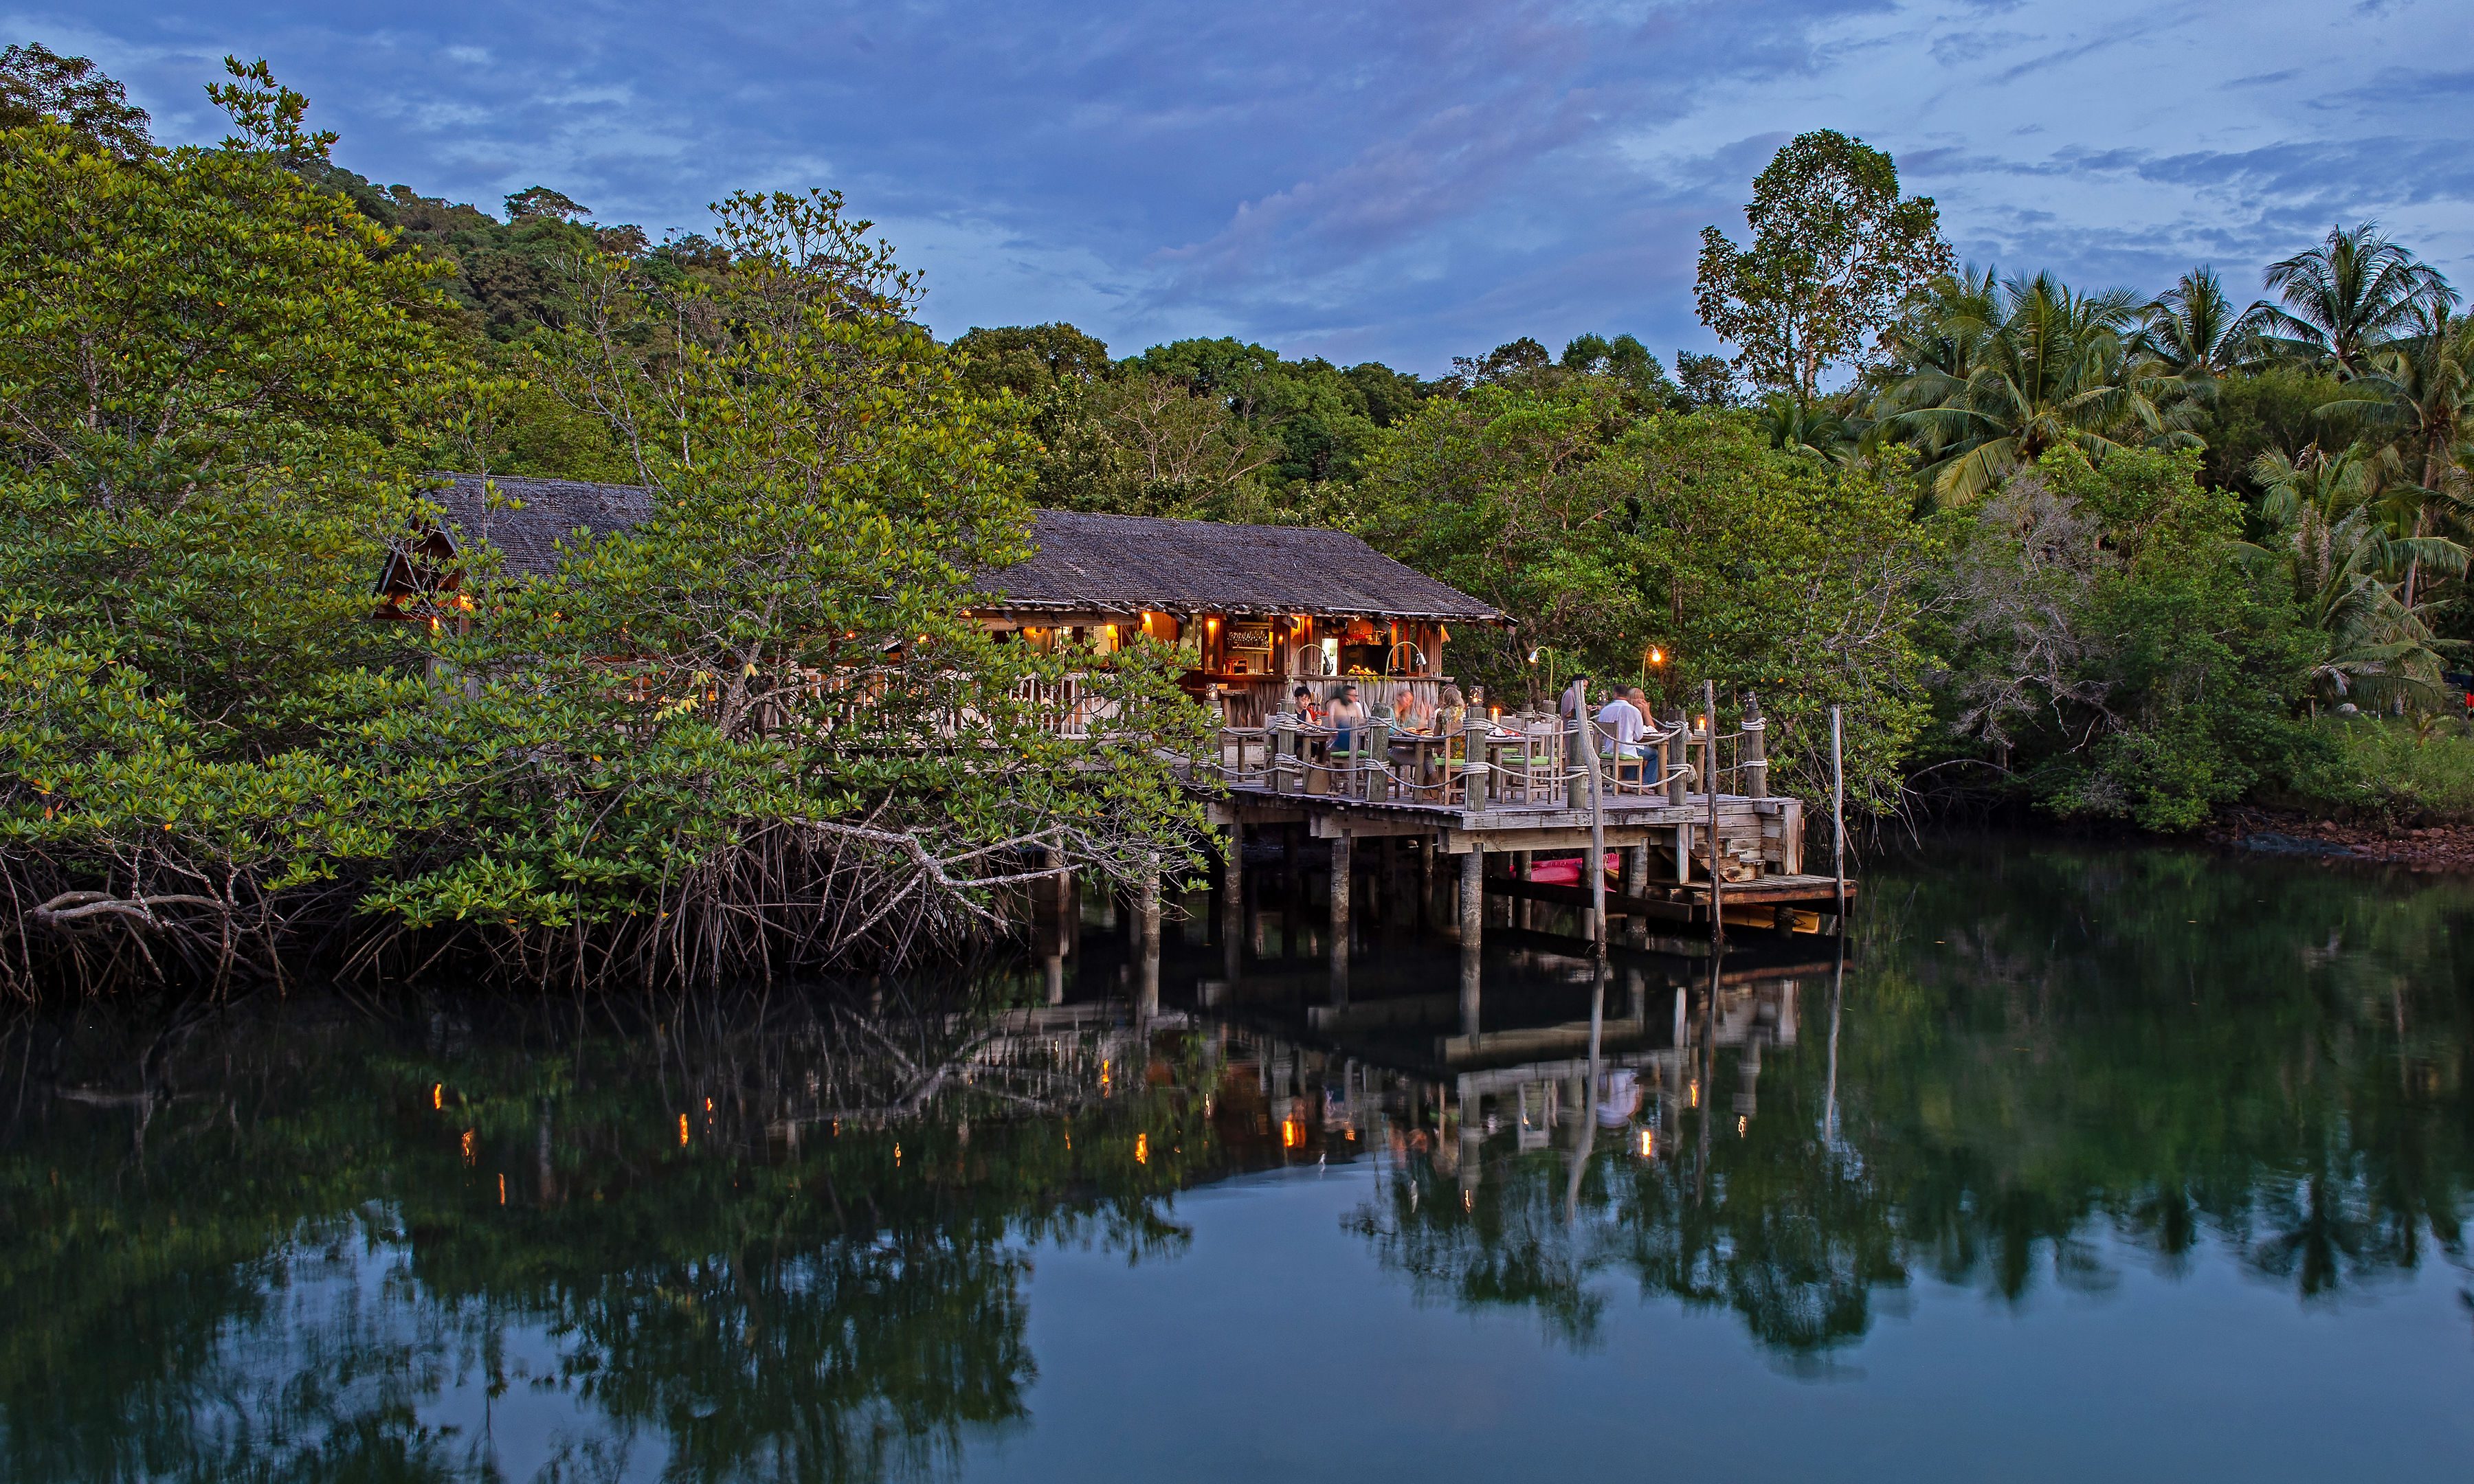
(796, 1235)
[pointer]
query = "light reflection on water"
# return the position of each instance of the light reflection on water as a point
(2092, 1153)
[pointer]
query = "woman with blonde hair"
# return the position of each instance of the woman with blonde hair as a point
(1451, 712)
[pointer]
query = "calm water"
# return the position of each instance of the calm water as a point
(2142, 1165)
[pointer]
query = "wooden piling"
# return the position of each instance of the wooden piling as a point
(1681, 752)
(1717, 874)
(1757, 751)
(1232, 898)
(1837, 821)
(1472, 905)
(1148, 910)
(1341, 865)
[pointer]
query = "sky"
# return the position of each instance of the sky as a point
(1398, 182)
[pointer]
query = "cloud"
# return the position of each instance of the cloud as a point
(1396, 181)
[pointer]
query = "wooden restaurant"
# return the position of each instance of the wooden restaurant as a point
(1259, 609)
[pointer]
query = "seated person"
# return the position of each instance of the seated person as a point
(1411, 711)
(1302, 702)
(1346, 716)
(1620, 724)
(1452, 714)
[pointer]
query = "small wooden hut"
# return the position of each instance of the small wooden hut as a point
(1260, 610)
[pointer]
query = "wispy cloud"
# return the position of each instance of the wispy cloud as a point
(1402, 181)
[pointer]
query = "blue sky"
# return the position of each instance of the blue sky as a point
(1401, 182)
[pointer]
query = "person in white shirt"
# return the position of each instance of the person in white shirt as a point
(1620, 726)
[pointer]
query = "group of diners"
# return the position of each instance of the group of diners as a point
(1345, 714)
(1623, 728)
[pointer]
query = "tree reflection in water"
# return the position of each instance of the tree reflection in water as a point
(2046, 1054)
(695, 1243)
(787, 1238)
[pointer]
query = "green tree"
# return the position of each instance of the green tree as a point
(2109, 647)
(1836, 251)
(211, 395)
(2344, 298)
(2196, 332)
(1611, 531)
(1987, 376)
(37, 85)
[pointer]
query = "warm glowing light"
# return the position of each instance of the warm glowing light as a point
(1210, 623)
(683, 1131)
(502, 1189)
(1292, 1134)
(1700, 723)
(1469, 1201)
(1657, 655)
(1693, 1093)
(438, 1095)
(708, 1105)
(1741, 1124)
(1648, 1145)
(897, 1154)
(1142, 1149)
(467, 1146)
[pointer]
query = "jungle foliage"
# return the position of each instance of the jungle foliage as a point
(755, 732)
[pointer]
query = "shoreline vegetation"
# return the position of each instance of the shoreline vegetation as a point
(2097, 554)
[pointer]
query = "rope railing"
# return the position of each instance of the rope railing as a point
(1525, 762)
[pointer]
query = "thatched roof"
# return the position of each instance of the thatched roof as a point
(1130, 564)
(553, 510)
(1083, 564)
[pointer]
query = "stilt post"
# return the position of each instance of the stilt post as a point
(1718, 877)
(1472, 905)
(1838, 820)
(1757, 751)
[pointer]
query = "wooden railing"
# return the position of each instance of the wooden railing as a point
(1529, 761)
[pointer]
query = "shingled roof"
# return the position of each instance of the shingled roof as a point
(1082, 562)
(1129, 563)
(552, 510)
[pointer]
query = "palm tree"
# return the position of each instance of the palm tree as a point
(1829, 427)
(2346, 298)
(2332, 519)
(2194, 331)
(2418, 389)
(1990, 375)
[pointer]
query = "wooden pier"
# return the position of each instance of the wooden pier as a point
(1496, 796)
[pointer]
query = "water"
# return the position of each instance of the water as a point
(2142, 1162)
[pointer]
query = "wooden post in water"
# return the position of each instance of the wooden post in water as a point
(1679, 752)
(1837, 821)
(1148, 910)
(1588, 729)
(1341, 868)
(1232, 898)
(1576, 745)
(1521, 873)
(1757, 751)
(1718, 875)
(1473, 773)
(1276, 754)
(1472, 905)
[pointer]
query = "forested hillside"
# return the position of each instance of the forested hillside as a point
(2109, 553)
